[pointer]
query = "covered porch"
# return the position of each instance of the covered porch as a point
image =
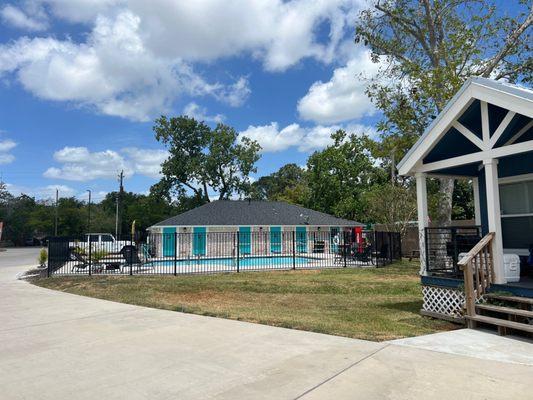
(485, 134)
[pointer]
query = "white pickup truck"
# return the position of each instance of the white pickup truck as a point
(100, 242)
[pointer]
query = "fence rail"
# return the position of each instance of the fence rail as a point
(216, 252)
(444, 245)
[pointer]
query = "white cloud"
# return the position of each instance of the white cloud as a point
(272, 139)
(145, 162)
(6, 146)
(80, 164)
(20, 19)
(304, 139)
(113, 71)
(280, 33)
(199, 113)
(136, 56)
(343, 97)
(41, 192)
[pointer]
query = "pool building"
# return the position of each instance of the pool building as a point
(250, 227)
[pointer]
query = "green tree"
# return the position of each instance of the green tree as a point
(428, 48)
(392, 205)
(201, 158)
(288, 184)
(72, 217)
(145, 210)
(340, 174)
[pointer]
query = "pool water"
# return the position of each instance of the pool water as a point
(232, 262)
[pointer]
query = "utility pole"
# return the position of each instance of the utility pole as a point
(116, 217)
(118, 220)
(56, 211)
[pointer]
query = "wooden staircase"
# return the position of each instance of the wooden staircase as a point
(502, 311)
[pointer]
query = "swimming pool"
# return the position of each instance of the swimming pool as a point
(245, 262)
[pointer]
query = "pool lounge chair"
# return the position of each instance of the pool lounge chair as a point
(132, 260)
(82, 262)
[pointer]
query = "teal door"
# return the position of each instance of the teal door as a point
(169, 242)
(301, 239)
(275, 239)
(199, 241)
(245, 240)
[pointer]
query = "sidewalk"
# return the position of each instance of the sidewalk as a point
(56, 345)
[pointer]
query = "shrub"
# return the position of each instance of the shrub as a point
(43, 257)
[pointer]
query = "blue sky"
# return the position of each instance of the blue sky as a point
(82, 80)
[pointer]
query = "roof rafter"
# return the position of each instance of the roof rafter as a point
(469, 135)
(501, 128)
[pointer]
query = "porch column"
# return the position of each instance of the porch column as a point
(477, 206)
(494, 217)
(422, 208)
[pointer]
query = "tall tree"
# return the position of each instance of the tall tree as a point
(392, 205)
(340, 174)
(427, 49)
(201, 158)
(288, 184)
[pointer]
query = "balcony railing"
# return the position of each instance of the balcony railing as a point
(444, 245)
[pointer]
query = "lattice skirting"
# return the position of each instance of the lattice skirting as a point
(447, 302)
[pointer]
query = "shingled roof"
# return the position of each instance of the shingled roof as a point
(247, 213)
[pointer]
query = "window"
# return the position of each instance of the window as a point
(93, 238)
(516, 203)
(107, 238)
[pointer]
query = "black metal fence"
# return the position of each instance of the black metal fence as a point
(213, 252)
(444, 246)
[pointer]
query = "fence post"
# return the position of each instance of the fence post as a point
(344, 247)
(294, 248)
(133, 248)
(48, 260)
(90, 253)
(238, 248)
(175, 253)
(390, 248)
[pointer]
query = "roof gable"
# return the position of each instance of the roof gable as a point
(253, 213)
(464, 112)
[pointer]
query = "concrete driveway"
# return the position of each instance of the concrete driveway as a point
(60, 346)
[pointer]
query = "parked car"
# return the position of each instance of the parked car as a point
(100, 242)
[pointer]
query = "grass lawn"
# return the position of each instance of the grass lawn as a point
(374, 304)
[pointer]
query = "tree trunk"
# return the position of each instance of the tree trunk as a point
(445, 201)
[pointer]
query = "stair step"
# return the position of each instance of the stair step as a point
(501, 322)
(505, 310)
(516, 299)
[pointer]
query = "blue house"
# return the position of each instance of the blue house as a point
(484, 134)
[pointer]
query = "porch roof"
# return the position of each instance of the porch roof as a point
(485, 119)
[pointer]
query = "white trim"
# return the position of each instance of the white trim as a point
(516, 178)
(485, 127)
(499, 130)
(494, 217)
(519, 133)
(469, 135)
(422, 214)
(503, 99)
(477, 203)
(511, 97)
(517, 215)
(478, 156)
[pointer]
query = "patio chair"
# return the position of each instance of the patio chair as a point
(364, 256)
(82, 262)
(131, 255)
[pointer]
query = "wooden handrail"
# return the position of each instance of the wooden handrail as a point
(475, 250)
(478, 270)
